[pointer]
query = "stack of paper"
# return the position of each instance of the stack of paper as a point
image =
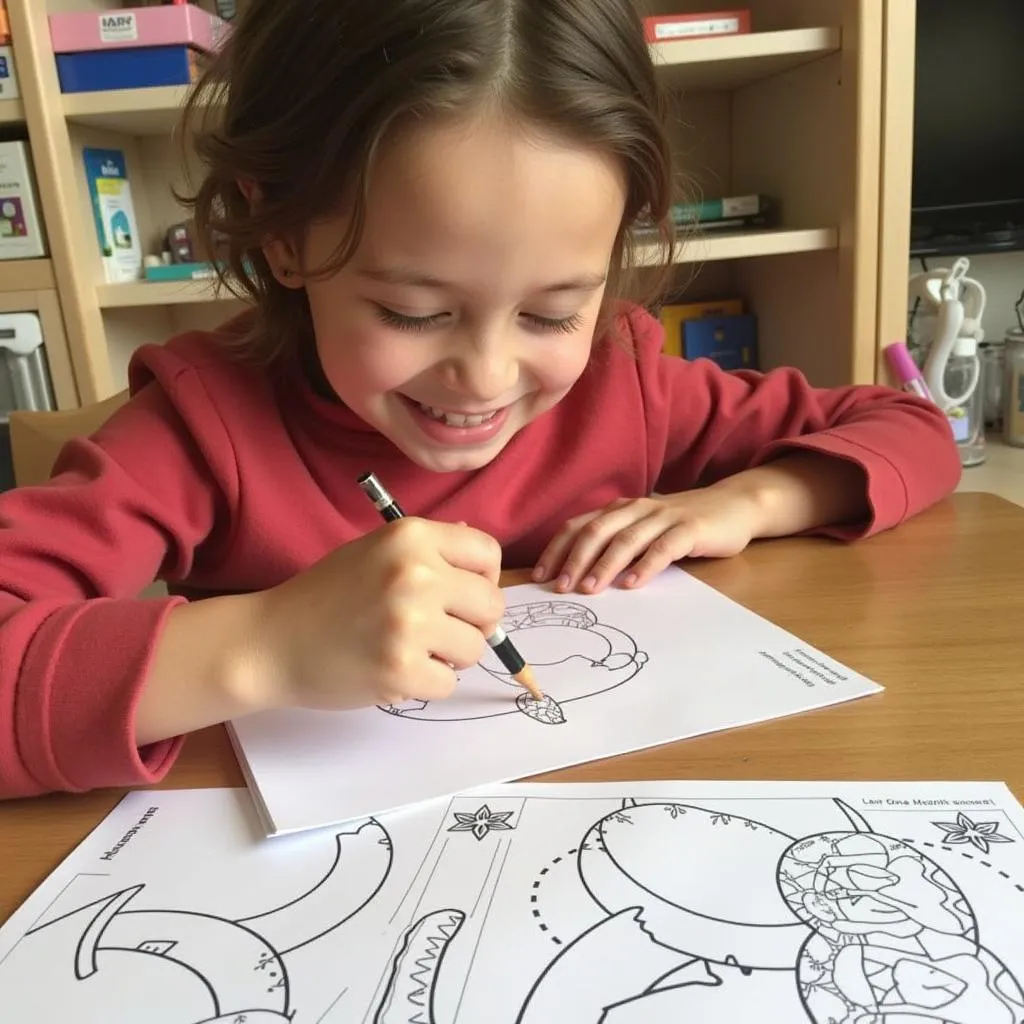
(624, 670)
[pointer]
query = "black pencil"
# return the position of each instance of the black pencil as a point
(498, 641)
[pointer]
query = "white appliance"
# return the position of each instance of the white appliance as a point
(24, 374)
(24, 379)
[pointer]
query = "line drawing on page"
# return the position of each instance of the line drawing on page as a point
(845, 925)
(409, 995)
(589, 904)
(239, 965)
(574, 657)
(875, 929)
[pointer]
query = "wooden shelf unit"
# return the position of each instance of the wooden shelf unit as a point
(741, 245)
(793, 110)
(738, 245)
(137, 112)
(138, 294)
(12, 112)
(26, 275)
(731, 62)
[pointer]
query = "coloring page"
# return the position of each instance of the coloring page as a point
(608, 903)
(620, 671)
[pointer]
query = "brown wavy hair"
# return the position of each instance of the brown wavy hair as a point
(304, 92)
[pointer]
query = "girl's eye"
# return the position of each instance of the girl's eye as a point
(407, 323)
(560, 325)
(403, 322)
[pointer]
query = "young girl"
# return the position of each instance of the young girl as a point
(429, 203)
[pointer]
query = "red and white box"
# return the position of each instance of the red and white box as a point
(669, 28)
(129, 27)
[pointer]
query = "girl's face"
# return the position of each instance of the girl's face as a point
(470, 306)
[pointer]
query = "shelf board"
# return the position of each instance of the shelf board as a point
(12, 112)
(729, 62)
(722, 63)
(154, 111)
(26, 275)
(744, 245)
(703, 249)
(159, 293)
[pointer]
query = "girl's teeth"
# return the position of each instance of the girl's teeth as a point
(454, 419)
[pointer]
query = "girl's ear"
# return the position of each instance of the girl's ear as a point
(280, 255)
(283, 260)
(249, 189)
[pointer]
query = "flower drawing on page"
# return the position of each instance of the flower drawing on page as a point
(980, 834)
(482, 822)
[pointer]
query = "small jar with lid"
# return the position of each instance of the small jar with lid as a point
(1013, 388)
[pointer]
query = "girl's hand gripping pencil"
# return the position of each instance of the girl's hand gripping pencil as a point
(499, 642)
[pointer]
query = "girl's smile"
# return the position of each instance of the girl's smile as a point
(452, 427)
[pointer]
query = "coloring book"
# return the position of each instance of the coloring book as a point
(620, 671)
(606, 903)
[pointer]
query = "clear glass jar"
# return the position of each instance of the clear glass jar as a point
(1013, 388)
(993, 362)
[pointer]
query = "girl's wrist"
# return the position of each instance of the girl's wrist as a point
(801, 491)
(211, 664)
(255, 674)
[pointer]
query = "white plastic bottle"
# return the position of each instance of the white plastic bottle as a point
(967, 417)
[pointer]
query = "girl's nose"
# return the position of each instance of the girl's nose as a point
(485, 373)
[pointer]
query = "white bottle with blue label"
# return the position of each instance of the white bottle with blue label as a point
(965, 400)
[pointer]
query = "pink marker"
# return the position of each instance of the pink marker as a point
(906, 371)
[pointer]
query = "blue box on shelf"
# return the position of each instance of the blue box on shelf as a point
(730, 341)
(131, 68)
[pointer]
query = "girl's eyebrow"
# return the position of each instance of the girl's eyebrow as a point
(415, 279)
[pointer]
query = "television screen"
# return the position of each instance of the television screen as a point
(968, 175)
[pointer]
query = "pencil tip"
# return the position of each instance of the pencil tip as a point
(526, 678)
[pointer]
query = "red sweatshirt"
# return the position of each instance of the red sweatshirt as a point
(223, 477)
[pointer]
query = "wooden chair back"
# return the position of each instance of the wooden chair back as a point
(37, 437)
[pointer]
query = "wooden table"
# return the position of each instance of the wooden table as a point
(932, 610)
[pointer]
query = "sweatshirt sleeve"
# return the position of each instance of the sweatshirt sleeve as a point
(707, 424)
(123, 507)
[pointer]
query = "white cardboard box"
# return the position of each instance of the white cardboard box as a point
(21, 230)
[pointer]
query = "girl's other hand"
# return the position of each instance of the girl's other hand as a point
(641, 537)
(798, 492)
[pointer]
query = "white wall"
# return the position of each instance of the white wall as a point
(1002, 277)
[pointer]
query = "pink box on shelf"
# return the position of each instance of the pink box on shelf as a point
(122, 28)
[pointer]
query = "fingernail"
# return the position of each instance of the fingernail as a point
(630, 580)
(563, 582)
(539, 573)
(589, 583)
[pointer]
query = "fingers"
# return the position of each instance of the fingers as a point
(672, 545)
(467, 548)
(421, 541)
(433, 679)
(474, 600)
(650, 541)
(552, 561)
(594, 550)
(427, 667)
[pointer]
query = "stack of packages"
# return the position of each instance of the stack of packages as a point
(134, 47)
